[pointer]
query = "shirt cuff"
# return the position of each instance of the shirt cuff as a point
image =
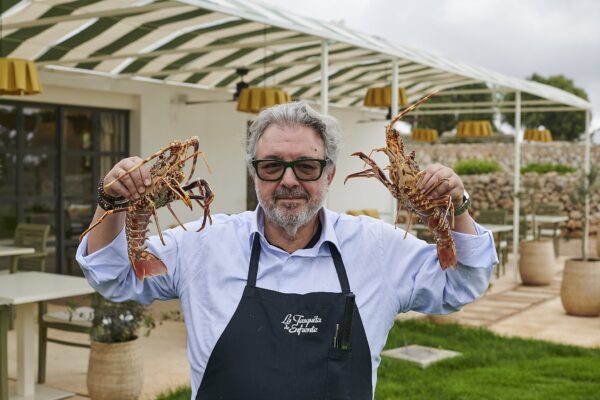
(100, 263)
(476, 251)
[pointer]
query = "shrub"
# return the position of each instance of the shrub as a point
(547, 167)
(118, 322)
(476, 167)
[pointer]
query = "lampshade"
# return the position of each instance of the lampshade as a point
(424, 135)
(254, 99)
(18, 77)
(538, 135)
(474, 128)
(382, 97)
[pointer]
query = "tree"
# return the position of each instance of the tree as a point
(563, 125)
(447, 122)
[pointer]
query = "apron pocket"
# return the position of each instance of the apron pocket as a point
(338, 383)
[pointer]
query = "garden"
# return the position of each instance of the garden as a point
(490, 367)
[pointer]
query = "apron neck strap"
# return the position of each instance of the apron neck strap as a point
(335, 254)
(253, 270)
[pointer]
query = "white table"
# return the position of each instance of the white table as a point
(547, 219)
(494, 228)
(15, 250)
(24, 290)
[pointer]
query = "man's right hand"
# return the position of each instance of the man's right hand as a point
(130, 186)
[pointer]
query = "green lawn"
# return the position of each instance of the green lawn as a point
(183, 393)
(491, 367)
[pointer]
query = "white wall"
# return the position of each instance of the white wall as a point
(359, 193)
(158, 116)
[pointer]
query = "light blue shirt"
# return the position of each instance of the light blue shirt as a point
(207, 271)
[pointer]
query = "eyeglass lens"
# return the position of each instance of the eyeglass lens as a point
(305, 170)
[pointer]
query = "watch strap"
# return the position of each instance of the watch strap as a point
(464, 206)
(108, 202)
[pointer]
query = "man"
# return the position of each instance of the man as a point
(291, 300)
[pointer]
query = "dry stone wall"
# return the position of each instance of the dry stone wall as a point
(497, 190)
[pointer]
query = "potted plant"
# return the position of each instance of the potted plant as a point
(537, 260)
(115, 365)
(579, 291)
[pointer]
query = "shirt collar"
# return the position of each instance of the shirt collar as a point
(328, 219)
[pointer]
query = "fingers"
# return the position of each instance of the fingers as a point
(128, 178)
(439, 181)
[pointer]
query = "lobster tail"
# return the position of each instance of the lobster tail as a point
(148, 265)
(403, 182)
(144, 263)
(446, 254)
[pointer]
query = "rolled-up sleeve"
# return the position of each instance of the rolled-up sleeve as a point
(109, 271)
(418, 282)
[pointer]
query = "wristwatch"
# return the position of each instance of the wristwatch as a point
(464, 206)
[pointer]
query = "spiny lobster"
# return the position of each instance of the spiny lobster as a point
(404, 177)
(167, 176)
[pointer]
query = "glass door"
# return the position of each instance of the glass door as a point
(51, 158)
(93, 141)
(8, 171)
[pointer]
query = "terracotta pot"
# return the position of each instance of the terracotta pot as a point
(537, 263)
(580, 288)
(115, 371)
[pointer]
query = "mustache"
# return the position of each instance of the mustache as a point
(282, 193)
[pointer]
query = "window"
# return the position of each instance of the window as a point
(51, 158)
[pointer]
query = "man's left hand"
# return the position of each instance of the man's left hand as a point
(450, 183)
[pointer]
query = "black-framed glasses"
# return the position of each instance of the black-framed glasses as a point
(305, 169)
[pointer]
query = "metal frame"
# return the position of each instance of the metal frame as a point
(430, 71)
(425, 72)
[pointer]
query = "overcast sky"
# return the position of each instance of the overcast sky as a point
(514, 37)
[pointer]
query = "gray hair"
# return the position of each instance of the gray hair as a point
(290, 114)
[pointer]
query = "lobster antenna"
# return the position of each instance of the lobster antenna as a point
(411, 107)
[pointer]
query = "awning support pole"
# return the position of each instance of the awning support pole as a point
(394, 112)
(324, 77)
(587, 168)
(516, 207)
(394, 88)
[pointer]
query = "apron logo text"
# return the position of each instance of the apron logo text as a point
(298, 324)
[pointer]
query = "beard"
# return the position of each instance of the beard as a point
(292, 216)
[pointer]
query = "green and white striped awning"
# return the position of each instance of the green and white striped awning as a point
(202, 42)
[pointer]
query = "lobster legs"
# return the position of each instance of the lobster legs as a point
(166, 185)
(403, 179)
(95, 224)
(204, 199)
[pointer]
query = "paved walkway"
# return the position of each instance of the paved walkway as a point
(496, 307)
(508, 308)
(536, 312)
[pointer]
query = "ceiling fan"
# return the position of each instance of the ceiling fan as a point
(239, 86)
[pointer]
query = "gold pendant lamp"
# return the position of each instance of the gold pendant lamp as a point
(254, 99)
(474, 128)
(382, 97)
(538, 135)
(17, 76)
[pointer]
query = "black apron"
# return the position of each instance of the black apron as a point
(281, 346)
